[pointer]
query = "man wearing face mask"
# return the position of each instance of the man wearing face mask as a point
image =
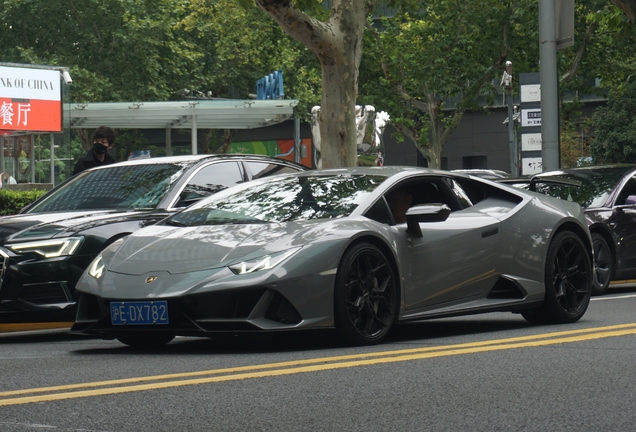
(103, 140)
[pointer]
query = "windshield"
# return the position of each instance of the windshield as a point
(594, 190)
(282, 199)
(114, 188)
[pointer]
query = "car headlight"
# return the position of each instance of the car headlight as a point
(264, 262)
(96, 269)
(48, 248)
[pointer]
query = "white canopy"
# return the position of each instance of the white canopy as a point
(189, 114)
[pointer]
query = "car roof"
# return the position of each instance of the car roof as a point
(591, 171)
(193, 159)
(386, 170)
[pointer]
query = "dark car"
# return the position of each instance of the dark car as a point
(45, 248)
(608, 196)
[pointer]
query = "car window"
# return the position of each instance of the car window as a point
(460, 193)
(265, 169)
(379, 212)
(466, 191)
(432, 191)
(628, 194)
(210, 180)
(113, 188)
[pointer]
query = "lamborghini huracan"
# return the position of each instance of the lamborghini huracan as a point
(327, 249)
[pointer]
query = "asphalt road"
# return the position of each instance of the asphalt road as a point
(491, 372)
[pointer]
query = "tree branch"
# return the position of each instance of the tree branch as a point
(571, 73)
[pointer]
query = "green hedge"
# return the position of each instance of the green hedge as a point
(12, 201)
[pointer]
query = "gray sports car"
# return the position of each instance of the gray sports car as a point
(355, 249)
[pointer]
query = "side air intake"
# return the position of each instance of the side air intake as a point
(505, 288)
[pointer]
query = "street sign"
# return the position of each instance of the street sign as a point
(30, 100)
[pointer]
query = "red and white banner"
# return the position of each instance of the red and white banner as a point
(30, 100)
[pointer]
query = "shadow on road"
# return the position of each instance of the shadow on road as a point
(412, 333)
(424, 332)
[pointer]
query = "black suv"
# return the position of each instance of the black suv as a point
(45, 248)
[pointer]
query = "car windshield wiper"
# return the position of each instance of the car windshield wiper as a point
(248, 221)
(174, 223)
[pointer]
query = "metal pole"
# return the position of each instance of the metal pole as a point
(297, 154)
(194, 134)
(168, 142)
(549, 86)
(32, 159)
(511, 124)
(52, 146)
(1, 155)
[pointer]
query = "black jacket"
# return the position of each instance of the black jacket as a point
(90, 161)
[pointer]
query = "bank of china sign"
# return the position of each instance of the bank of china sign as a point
(30, 100)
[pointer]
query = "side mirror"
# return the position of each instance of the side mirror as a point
(630, 202)
(424, 213)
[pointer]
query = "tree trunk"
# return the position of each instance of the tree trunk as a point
(338, 117)
(228, 137)
(338, 45)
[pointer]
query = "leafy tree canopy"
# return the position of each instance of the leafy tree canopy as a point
(614, 129)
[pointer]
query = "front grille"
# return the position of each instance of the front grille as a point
(221, 311)
(4, 260)
(46, 293)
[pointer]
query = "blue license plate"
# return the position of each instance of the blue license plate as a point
(139, 313)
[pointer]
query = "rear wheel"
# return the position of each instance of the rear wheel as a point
(602, 265)
(365, 295)
(568, 282)
(145, 340)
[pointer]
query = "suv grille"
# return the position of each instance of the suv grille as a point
(46, 293)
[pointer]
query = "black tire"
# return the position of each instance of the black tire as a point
(145, 340)
(568, 282)
(365, 295)
(603, 264)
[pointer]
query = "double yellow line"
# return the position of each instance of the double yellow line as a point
(128, 385)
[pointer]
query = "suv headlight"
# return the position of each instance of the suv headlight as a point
(264, 262)
(48, 248)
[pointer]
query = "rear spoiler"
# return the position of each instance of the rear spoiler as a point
(532, 182)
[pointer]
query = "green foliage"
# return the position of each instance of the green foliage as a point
(12, 201)
(574, 136)
(117, 49)
(242, 57)
(148, 50)
(614, 129)
(440, 51)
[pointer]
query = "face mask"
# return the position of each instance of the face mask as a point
(99, 149)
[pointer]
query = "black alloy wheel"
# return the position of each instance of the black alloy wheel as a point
(602, 265)
(365, 296)
(568, 282)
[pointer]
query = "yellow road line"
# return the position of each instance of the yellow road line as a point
(7, 328)
(314, 360)
(315, 365)
(623, 282)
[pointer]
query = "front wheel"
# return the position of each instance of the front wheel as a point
(365, 295)
(602, 265)
(568, 282)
